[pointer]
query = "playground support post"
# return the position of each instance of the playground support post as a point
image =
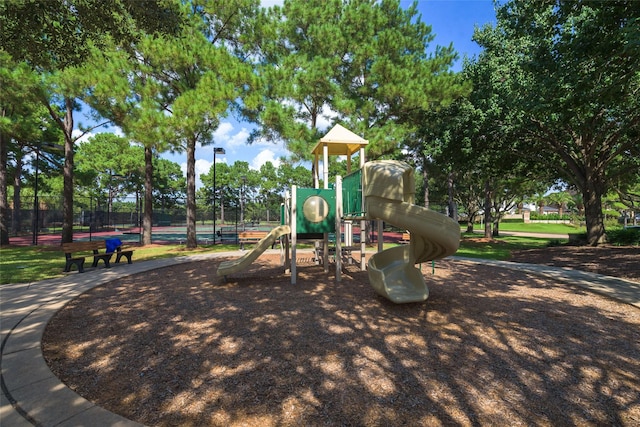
(325, 185)
(285, 219)
(338, 229)
(294, 237)
(325, 166)
(363, 223)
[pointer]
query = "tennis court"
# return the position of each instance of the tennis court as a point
(160, 235)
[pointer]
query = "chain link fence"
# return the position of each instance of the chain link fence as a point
(125, 214)
(46, 214)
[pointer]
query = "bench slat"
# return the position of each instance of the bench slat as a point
(251, 236)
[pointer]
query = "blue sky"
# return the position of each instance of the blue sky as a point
(452, 21)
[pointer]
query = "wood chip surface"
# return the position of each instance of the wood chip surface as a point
(178, 346)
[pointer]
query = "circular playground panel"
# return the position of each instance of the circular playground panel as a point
(178, 346)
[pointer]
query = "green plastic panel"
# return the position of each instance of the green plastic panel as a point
(316, 210)
(352, 194)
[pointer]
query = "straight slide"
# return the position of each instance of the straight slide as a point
(389, 194)
(233, 266)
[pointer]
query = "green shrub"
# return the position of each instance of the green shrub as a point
(611, 214)
(611, 224)
(624, 236)
(536, 216)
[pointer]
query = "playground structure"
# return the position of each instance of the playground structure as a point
(381, 190)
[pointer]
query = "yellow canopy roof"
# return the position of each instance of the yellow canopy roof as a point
(340, 141)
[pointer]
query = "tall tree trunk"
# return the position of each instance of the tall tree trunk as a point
(147, 219)
(221, 208)
(496, 227)
(16, 219)
(192, 242)
(4, 202)
(242, 206)
(487, 209)
(453, 208)
(425, 181)
(590, 178)
(592, 195)
(67, 192)
(470, 225)
(472, 212)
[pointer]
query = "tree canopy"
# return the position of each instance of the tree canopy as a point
(552, 97)
(361, 62)
(57, 44)
(571, 71)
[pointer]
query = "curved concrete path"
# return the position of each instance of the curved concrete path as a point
(32, 395)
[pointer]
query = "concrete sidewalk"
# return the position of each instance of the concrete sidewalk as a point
(32, 395)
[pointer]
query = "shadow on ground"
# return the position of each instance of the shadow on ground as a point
(176, 346)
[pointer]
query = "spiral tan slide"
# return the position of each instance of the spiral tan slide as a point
(389, 188)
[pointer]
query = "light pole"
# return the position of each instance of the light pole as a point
(216, 150)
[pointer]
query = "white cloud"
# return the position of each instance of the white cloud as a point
(239, 139)
(271, 3)
(326, 118)
(202, 167)
(77, 132)
(117, 131)
(263, 157)
(225, 137)
(222, 133)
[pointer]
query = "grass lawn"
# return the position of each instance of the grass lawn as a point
(34, 263)
(535, 228)
(473, 246)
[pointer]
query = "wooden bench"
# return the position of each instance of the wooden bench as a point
(406, 238)
(251, 237)
(94, 247)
